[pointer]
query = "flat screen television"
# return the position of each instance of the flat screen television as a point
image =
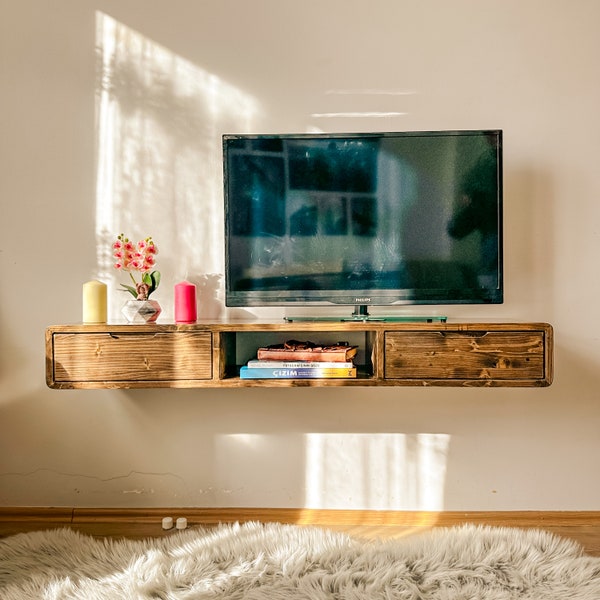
(363, 219)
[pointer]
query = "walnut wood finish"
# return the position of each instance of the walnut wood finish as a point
(146, 356)
(208, 354)
(479, 355)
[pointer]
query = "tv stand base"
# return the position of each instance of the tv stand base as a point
(361, 314)
(369, 319)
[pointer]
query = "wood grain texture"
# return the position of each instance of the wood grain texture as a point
(299, 516)
(500, 355)
(132, 356)
(206, 354)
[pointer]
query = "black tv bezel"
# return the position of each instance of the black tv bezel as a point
(367, 297)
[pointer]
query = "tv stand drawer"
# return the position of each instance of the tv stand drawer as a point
(151, 357)
(474, 355)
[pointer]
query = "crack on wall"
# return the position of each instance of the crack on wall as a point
(87, 476)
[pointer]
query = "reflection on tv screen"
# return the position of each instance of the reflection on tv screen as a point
(414, 216)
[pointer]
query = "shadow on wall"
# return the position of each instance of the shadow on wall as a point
(159, 120)
(529, 263)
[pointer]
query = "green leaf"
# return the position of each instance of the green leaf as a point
(130, 289)
(152, 279)
(155, 279)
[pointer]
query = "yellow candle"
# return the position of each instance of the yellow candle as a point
(94, 302)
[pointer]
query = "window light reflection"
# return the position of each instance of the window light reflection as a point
(365, 471)
(159, 120)
(385, 471)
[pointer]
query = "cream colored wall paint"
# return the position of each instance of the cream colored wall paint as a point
(529, 68)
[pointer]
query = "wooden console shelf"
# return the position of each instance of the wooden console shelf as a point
(210, 354)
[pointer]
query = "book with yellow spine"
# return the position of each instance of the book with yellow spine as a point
(247, 372)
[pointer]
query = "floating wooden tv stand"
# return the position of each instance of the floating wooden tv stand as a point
(209, 354)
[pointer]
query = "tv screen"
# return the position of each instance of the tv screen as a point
(363, 218)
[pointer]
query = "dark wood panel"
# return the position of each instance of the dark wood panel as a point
(457, 355)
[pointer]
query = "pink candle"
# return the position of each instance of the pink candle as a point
(185, 302)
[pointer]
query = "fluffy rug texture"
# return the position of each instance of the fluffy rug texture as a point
(285, 562)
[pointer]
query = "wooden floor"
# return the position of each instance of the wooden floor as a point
(583, 527)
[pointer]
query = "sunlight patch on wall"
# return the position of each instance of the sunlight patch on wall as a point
(378, 471)
(159, 120)
(360, 471)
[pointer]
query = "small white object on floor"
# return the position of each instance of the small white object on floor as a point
(167, 523)
(181, 523)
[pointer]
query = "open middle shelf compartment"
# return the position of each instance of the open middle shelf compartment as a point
(238, 347)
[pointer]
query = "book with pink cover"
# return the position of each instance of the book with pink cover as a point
(294, 350)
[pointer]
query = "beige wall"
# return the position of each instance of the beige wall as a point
(85, 157)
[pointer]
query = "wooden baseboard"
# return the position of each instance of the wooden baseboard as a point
(139, 523)
(322, 517)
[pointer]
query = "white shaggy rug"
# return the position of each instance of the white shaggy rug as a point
(285, 562)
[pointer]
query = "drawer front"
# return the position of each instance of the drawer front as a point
(458, 355)
(110, 357)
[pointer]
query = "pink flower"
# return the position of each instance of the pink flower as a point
(138, 256)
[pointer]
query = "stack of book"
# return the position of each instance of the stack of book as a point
(301, 360)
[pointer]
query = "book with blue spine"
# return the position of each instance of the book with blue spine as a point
(247, 372)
